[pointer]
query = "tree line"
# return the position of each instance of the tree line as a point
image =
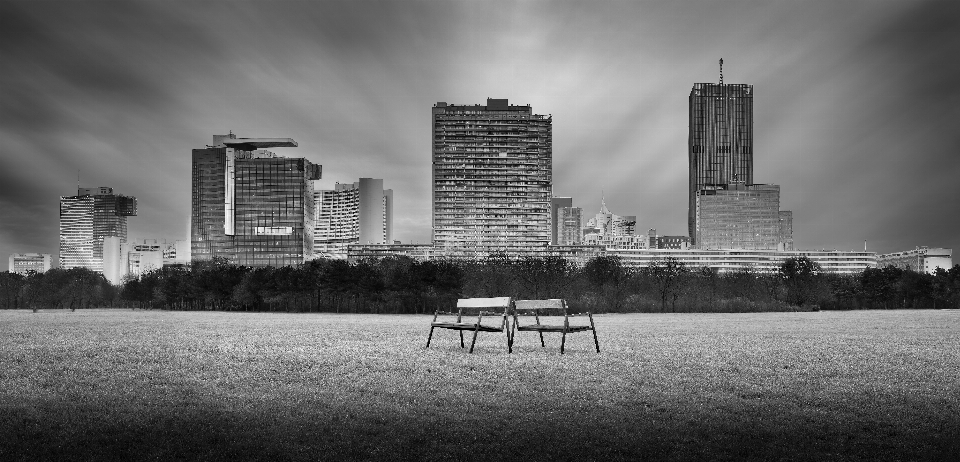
(405, 285)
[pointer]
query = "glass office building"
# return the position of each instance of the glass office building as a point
(742, 217)
(86, 219)
(251, 206)
(492, 177)
(720, 142)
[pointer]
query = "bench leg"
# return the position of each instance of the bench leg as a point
(542, 345)
(563, 340)
(429, 337)
(595, 341)
(474, 339)
(509, 342)
(461, 339)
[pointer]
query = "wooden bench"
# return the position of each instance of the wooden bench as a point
(498, 307)
(546, 308)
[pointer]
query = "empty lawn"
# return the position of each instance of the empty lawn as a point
(107, 384)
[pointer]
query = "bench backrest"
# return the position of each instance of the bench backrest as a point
(495, 302)
(551, 304)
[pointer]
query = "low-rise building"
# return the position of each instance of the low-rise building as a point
(921, 259)
(759, 261)
(23, 263)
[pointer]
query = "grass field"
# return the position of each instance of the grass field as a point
(109, 384)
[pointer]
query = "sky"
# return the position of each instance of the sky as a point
(856, 107)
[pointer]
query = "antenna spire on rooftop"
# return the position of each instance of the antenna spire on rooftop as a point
(721, 71)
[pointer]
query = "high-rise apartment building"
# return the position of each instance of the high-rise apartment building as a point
(357, 213)
(738, 216)
(251, 206)
(86, 220)
(492, 177)
(720, 142)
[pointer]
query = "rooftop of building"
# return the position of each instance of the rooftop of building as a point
(493, 104)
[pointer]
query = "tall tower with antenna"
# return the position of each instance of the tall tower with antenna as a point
(720, 141)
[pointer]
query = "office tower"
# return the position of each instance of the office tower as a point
(251, 206)
(555, 204)
(720, 143)
(86, 220)
(492, 177)
(569, 226)
(357, 213)
(740, 217)
(23, 263)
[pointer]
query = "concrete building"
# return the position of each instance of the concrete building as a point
(361, 212)
(759, 261)
(720, 142)
(576, 254)
(420, 252)
(86, 220)
(738, 216)
(492, 177)
(23, 263)
(921, 259)
(251, 206)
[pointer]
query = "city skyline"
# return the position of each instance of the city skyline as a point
(855, 111)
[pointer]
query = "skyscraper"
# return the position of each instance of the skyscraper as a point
(492, 177)
(720, 143)
(251, 206)
(86, 220)
(353, 213)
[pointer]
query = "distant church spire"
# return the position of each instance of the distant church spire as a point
(603, 203)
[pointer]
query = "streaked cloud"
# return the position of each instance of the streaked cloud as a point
(856, 102)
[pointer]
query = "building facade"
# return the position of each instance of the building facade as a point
(569, 226)
(738, 216)
(720, 142)
(361, 212)
(556, 204)
(86, 220)
(921, 259)
(576, 254)
(251, 206)
(23, 263)
(758, 261)
(492, 177)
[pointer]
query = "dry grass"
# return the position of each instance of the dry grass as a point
(109, 384)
